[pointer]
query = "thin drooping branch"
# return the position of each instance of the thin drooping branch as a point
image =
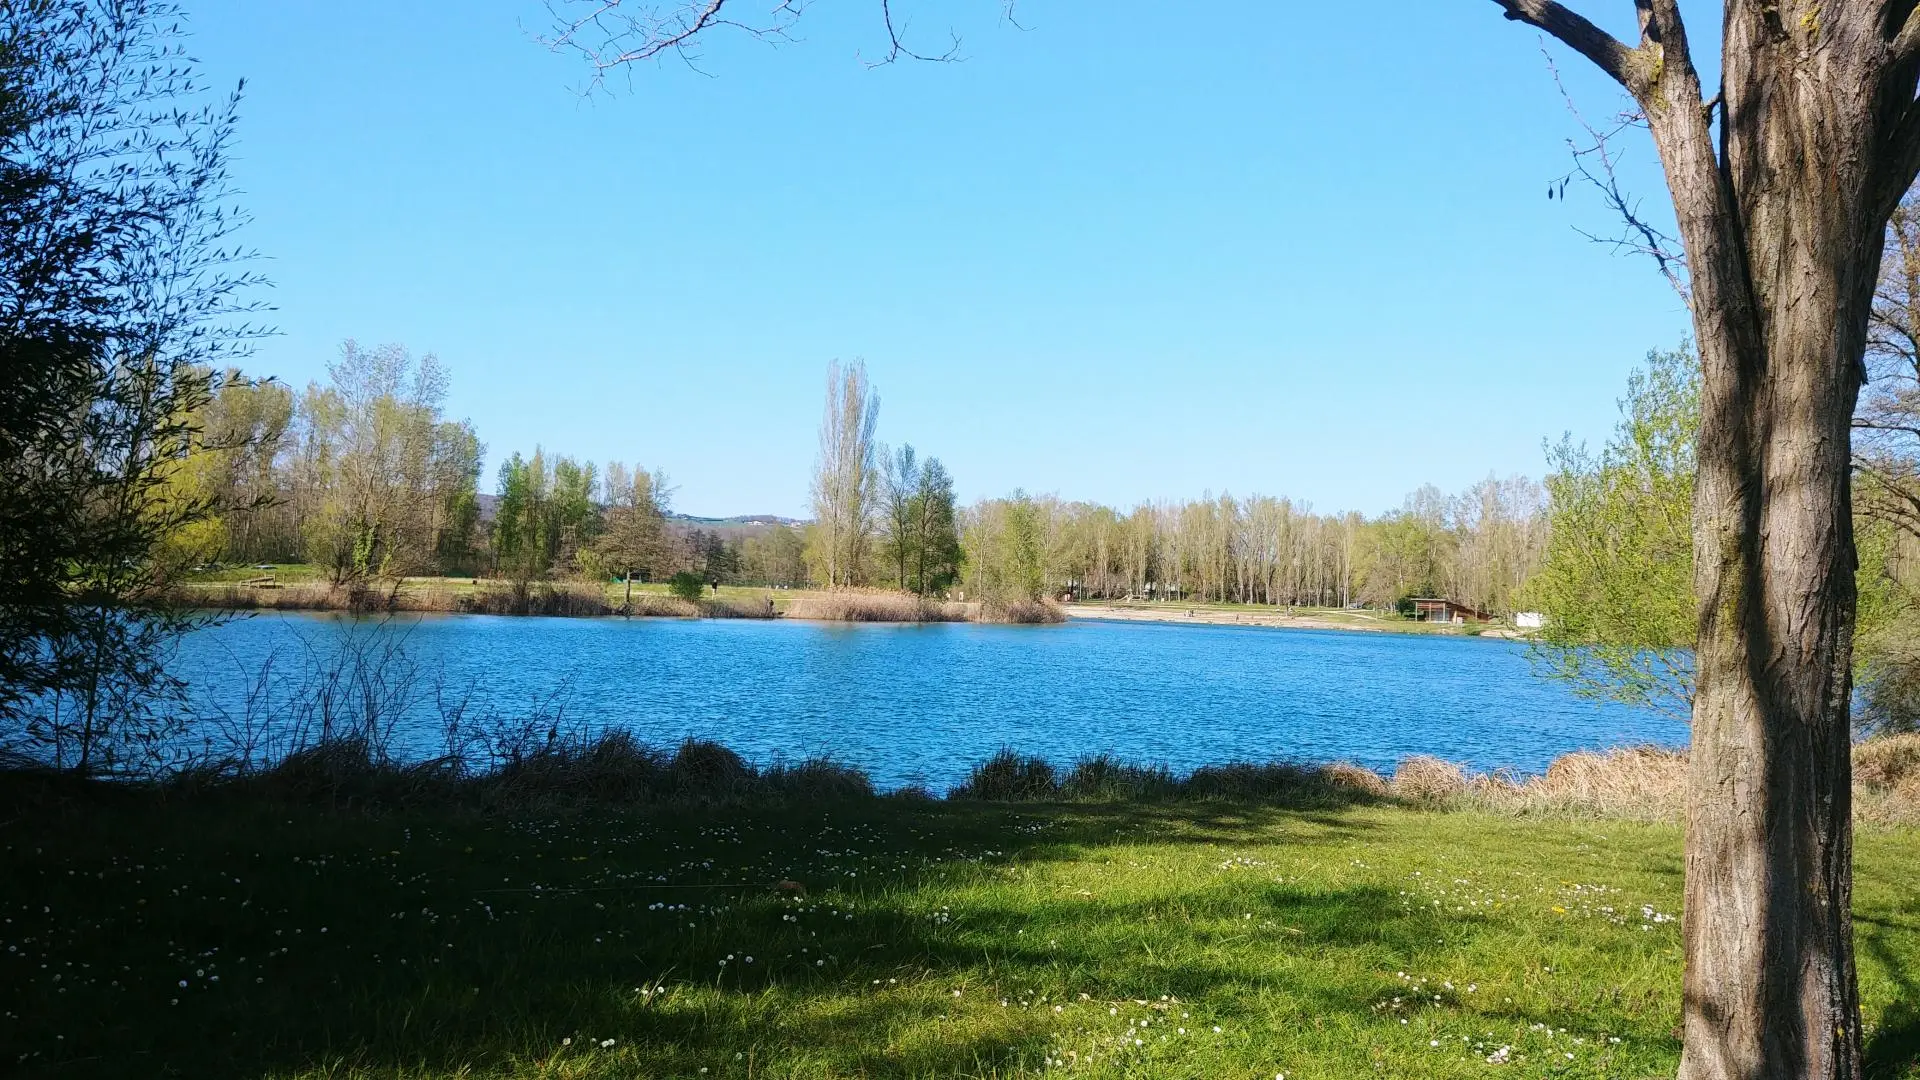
(1607, 52)
(1594, 164)
(612, 34)
(616, 34)
(896, 50)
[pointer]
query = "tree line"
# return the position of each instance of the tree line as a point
(888, 518)
(1477, 547)
(366, 478)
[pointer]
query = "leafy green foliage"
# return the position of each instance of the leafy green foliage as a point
(920, 541)
(687, 585)
(1616, 583)
(1006, 549)
(545, 515)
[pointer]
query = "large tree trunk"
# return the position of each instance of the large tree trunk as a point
(1784, 251)
(1769, 980)
(1781, 212)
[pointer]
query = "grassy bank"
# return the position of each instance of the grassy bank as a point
(805, 929)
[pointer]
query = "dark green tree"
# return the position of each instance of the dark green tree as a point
(936, 530)
(899, 541)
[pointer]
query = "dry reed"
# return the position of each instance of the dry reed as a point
(1026, 612)
(876, 605)
(1429, 780)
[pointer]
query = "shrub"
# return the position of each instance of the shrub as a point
(1100, 776)
(1006, 776)
(687, 586)
(816, 779)
(705, 771)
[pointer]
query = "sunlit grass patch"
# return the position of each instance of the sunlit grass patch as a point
(848, 937)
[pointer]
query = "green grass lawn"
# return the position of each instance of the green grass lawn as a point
(225, 939)
(282, 573)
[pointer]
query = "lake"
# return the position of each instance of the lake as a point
(921, 704)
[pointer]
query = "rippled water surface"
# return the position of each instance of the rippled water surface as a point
(922, 703)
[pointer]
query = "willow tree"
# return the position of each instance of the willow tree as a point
(1782, 181)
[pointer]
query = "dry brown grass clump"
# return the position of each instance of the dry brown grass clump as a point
(1633, 782)
(425, 596)
(1649, 783)
(1892, 761)
(1886, 779)
(1346, 776)
(736, 608)
(875, 605)
(305, 596)
(656, 604)
(1423, 779)
(1029, 612)
(542, 598)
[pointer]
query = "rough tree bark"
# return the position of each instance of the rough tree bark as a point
(1781, 210)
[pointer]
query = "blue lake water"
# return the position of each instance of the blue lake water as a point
(920, 704)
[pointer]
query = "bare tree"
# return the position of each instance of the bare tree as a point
(845, 479)
(1886, 435)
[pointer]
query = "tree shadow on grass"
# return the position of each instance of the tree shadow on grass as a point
(1893, 1051)
(430, 943)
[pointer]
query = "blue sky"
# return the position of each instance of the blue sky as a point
(1126, 253)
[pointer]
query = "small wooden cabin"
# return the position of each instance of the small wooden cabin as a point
(1438, 609)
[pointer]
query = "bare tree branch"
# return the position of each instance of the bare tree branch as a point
(1608, 52)
(612, 34)
(896, 50)
(1594, 164)
(617, 34)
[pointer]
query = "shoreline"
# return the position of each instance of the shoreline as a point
(465, 597)
(462, 596)
(1274, 619)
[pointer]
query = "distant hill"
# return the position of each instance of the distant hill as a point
(731, 527)
(745, 520)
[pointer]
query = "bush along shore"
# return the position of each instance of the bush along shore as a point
(489, 597)
(595, 908)
(536, 766)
